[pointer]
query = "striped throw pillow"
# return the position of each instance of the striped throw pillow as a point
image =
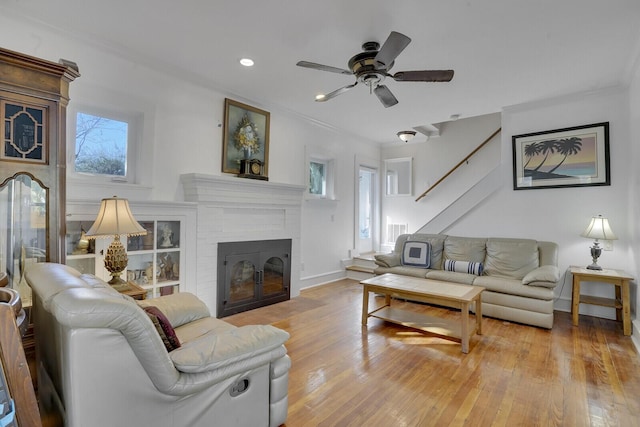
(463, 267)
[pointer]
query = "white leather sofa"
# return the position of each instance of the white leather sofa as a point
(519, 275)
(102, 362)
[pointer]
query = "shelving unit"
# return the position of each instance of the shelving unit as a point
(154, 259)
(157, 261)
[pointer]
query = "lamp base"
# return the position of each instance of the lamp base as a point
(115, 262)
(596, 250)
(117, 283)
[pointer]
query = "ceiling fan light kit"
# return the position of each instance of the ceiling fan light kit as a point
(406, 135)
(372, 66)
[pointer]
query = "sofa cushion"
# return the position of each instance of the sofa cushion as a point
(472, 249)
(511, 258)
(513, 286)
(416, 254)
(451, 276)
(213, 351)
(405, 270)
(463, 267)
(164, 328)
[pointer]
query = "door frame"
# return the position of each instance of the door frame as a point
(374, 165)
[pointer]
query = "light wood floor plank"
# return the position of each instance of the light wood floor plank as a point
(385, 375)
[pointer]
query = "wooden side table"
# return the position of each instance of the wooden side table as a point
(134, 291)
(621, 303)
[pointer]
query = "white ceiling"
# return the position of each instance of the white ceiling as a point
(504, 52)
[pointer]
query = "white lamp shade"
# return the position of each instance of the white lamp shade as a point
(599, 228)
(115, 218)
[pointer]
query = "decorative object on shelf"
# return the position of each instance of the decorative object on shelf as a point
(570, 157)
(406, 135)
(167, 235)
(253, 169)
(115, 219)
(245, 137)
(598, 228)
(82, 247)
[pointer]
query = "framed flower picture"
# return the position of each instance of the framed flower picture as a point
(245, 136)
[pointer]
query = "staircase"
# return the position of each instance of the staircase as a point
(465, 203)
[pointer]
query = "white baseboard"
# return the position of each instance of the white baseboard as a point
(635, 336)
(322, 279)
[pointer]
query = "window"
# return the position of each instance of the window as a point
(318, 178)
(103, 146)
(321, 181)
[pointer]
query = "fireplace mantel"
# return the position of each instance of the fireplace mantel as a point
(221, 188)
(232, 209)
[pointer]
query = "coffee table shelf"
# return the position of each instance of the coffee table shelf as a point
(432, 325)
(431, 291)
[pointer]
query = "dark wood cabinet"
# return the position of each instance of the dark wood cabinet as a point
(34, 94)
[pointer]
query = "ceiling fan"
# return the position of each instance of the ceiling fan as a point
(372, 66)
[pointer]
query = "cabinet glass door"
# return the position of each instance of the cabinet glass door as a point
(23, 229)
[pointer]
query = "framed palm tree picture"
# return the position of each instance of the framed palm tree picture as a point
(570, 157)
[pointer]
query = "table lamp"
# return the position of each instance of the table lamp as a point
(598, 228)
(115, 219)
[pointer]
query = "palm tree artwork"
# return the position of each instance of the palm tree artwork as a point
(564, 147)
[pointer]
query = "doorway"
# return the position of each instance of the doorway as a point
(366, 220)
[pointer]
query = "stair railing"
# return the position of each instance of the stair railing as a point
(462, 162)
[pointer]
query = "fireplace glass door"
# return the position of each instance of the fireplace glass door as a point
(252, 279)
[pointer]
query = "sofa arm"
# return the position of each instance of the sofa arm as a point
(180, 308)
(388, 260)
(546, 276)
(216, 350)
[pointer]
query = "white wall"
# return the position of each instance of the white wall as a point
(558, 215)
(435, 158)
(634, 184)
(183, 134)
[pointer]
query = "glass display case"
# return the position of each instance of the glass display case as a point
(154, 259)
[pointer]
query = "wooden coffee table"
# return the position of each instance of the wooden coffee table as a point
(429, 291)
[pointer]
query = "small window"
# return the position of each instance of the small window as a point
(102, 146)
(318, 178)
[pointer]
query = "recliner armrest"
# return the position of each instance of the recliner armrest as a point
(180, 308)
(215, 350)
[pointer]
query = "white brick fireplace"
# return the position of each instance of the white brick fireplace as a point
(234, 209)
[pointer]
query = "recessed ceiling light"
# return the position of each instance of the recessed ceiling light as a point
(320, 97)
(247, 62)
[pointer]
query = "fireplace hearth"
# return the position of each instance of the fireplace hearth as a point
(252, 274)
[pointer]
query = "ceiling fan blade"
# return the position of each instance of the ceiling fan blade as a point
(392, 47)
(423, 76)
(336, 93)
(321, 67)
(385, 96)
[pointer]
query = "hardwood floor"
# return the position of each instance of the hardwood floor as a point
(386, 375)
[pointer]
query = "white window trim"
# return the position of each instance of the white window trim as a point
(134, 140)
(330, 175)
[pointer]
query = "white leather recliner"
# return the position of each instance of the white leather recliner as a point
(101, 361)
